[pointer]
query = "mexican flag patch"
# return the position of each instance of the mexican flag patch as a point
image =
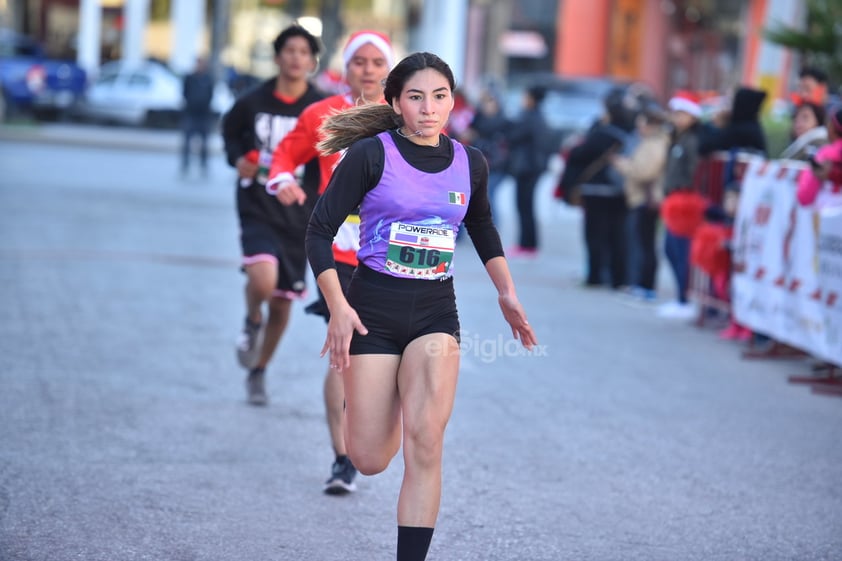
(457, 198)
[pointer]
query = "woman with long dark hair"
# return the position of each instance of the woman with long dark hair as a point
(395, 338)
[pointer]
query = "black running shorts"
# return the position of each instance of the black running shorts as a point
(262, 242)
(344, 271)
(397, 311)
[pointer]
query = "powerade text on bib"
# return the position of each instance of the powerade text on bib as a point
(419, 251)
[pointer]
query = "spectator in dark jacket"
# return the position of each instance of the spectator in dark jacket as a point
(740, 128)
(588, 168)
(529, 139)
(196, 117)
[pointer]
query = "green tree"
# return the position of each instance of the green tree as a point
(819, 42)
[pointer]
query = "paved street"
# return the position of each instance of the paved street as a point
(124, 433)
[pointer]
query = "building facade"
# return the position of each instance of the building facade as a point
(707, 45)
(703, 45)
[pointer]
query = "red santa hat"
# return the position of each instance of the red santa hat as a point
(687, 102)
(360, 38)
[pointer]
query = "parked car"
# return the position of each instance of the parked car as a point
(32, 82)
(146, 94)
(571, 105)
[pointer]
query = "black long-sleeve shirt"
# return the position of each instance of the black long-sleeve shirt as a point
(257, 122)
(360, 171)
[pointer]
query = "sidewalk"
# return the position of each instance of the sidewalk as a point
(130, 138)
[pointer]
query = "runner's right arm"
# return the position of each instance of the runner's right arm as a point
(238, 137)
(357, 173)
(296, 148)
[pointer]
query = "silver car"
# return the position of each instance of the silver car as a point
(146, 94)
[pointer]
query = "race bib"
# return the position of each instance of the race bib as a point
(423, 252)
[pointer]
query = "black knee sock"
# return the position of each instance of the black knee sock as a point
(413, 543)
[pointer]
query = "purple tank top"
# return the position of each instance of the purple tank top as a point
(409, 220)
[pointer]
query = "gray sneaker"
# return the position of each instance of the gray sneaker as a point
(249, 343)
(255, 387)
(341, 480)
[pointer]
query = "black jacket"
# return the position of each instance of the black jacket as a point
(601, 139)
(682, 160)
(530, 144)
(743, 131)
(491, 138)
(198, 94)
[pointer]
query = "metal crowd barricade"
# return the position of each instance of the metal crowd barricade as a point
(709, 181)
(825, 378)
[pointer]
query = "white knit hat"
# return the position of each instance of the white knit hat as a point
(361, 38)
(687, 102)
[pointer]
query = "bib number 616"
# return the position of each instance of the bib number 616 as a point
(420, 256)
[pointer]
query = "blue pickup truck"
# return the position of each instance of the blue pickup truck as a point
(32, 82)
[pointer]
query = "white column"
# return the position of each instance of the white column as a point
(11, 14)
(774, 61)
(187, 18)
(474, 48)
(90, 32)
(444, 24)
(135, 18)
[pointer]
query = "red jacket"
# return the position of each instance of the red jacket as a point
(299, 147)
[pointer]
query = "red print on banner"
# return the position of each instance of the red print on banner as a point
(762, 214)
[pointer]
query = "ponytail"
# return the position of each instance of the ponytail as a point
(342, 129)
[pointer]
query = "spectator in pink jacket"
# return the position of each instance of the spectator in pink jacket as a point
(823, 181)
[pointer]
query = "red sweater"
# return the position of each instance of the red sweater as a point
(299, 147)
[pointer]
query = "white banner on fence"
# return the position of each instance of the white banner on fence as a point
(787, 280)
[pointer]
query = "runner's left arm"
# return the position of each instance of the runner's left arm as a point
(478, 220)
(513, 313)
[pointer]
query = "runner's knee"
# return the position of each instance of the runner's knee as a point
(373, 458)
(423, 445)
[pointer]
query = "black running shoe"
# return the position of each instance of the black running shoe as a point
(341, 480)
(255, 387)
